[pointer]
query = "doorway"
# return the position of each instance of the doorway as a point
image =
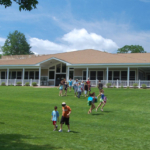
(59, 77)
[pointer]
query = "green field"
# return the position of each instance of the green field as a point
(25, 124)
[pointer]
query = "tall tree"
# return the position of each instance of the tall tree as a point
(23, 4)
(16, 44)
(131, 49)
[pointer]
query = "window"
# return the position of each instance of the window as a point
(116, 75)
(100, 75)
(13, 75)
(58, 67)
(110, 75)
(92, 75)
(79, 78)
(132, 75)
(71, 74)
(64, 68)
(123, 75)
(19, 75)
(53, 67)
(3, 75)
(31, 75)
(51, 74)
(10, 75)
(26, 75)
(84, 75)
(36, 74)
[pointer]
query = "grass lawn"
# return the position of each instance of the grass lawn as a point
(25, 124)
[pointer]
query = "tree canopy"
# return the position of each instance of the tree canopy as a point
(131, 49)
(16, 44)
(23, 4)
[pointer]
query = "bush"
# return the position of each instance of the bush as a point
(3, 84)
(135, 85)
(144, 86)
(114, 86)
(122, 86)
(27, 84)
(34, 84)
(128, 87)
(19, 83)
(108, 85)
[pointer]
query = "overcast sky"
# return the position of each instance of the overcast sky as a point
(67, 25)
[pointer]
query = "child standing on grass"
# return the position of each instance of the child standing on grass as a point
(82, 87)
(70, 84)
(66, 88)
(79, 90)
(102, 99)
(61, 88)
(85, 89)
(55, 117)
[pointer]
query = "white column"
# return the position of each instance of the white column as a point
(107, 72)
(128, 76)
(139, 84)
(39, 76)
(7, 76)
(67, 73)
(87, 71)
(23, 70)
(137, 74)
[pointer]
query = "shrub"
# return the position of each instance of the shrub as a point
(3, 84)
(27, 84)
(114, 86)
(144, 86)
(128, 87)
(108, 85)
(135, 85)
(122, 86)
(19, 83)
(34, 84)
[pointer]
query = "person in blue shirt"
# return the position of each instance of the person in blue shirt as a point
(102, 99)
(55, 117)
(70, 84)
(91, 99)
(61, 88)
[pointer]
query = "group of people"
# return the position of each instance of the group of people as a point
(79, 88)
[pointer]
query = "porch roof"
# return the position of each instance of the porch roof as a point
(88, 56)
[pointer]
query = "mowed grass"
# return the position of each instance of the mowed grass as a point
(25, 124)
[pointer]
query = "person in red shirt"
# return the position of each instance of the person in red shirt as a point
(66, 111)
(89, 85)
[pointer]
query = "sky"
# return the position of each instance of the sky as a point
(58, 26)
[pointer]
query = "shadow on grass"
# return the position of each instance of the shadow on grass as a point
(15, 142)
(107, 111)
(74, 132)
(2, 123)
(98, 114)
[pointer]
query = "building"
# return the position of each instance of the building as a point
(117, 69)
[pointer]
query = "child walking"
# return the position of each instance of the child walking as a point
(61, 88)
(55, 117)
(102, 100)
(70, 85)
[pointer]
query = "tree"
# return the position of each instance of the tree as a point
(16, 44)
(131, 49)
(23, 4)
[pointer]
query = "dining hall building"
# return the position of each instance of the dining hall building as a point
(49, 70)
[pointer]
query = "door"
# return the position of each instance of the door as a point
(59, 77)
